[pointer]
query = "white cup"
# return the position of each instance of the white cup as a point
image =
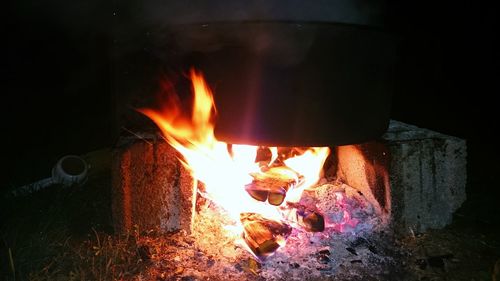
(69, 170)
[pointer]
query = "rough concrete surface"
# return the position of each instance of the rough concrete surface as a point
(427, 172)
(365, 168)
(150, 188)
(428, 176)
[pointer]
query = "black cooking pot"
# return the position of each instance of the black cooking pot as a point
(292, 84)
(289, 73)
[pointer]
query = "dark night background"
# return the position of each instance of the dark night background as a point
(58, 65)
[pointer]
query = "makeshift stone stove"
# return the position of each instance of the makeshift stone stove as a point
(409, 181)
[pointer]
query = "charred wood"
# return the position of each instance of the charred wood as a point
(272, 184)
(307, 218)
(263, 236)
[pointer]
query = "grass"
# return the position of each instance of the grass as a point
(66, 234)
(100, 257)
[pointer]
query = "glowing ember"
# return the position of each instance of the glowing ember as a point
(232, 177)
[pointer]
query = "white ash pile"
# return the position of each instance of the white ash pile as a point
(345, 243)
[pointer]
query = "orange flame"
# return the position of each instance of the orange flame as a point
(225, 173)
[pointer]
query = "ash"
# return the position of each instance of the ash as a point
(354, 246)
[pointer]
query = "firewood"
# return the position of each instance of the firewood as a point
(276, 198)
(272, 184)
(307, 218)
(259, 195)
(263, 236)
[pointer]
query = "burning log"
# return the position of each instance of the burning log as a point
(305, 217)
(272, 184)
(263, 236)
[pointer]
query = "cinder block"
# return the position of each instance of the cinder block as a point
(424, 186)
(365, 168)
(428, 176)
(150, 188)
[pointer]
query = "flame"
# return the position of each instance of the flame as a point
(225, 172)
(310, 166)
